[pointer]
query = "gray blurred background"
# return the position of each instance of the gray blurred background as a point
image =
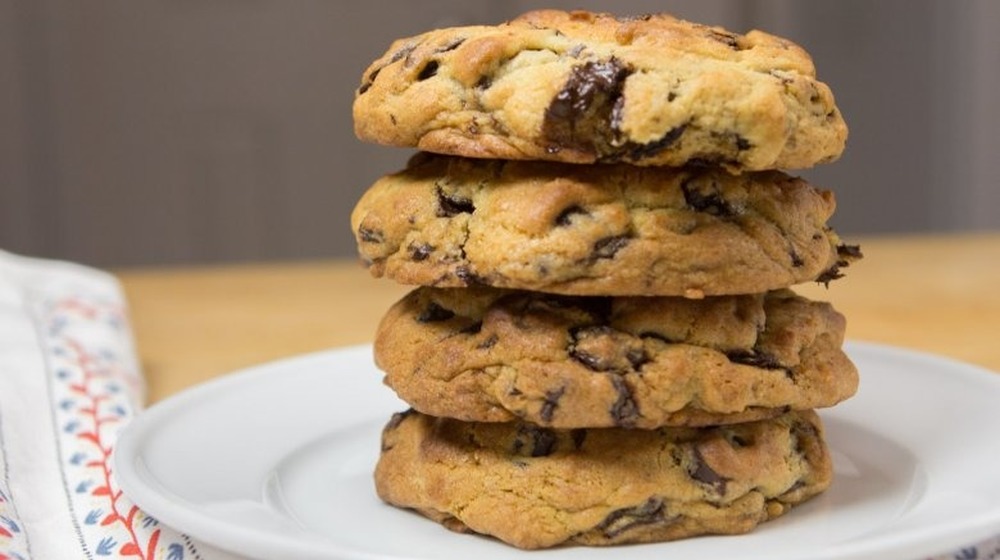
(188, 131)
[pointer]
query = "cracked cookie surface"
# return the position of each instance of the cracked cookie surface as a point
(595, 230)
(489, 355)
(536, 487)
(581, 87)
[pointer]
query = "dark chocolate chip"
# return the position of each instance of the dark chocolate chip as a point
(621, 520)
(369, 80)
(671, 96)
(642, 151)
(580, 115)
(742, 144)
(565, 217)
(484, 82)
(429, 70)
(624, 411)
(420, 252)
(607, 247)
(369, 235)
(450, 205)
(829, 275)
(540, 441)
(705, 198)
(637, 357)
(755, 358)
(701, 472)
(849, 251)
(551, 403)
(592, 362)
(846, 255)
(434, 314)
(469, 278)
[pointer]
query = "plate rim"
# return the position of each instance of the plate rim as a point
(145, 492)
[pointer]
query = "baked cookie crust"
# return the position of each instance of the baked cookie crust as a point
(536, 487)
(488, 355)
(596, 230)
(581, 87)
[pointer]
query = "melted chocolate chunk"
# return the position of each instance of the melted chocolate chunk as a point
(551, 403)
(593, 361)
(429, 70)
(755, 358)
(369, 235)
(637, 152)
(450, 205)
(607, 247)
(621, 520)
(624, 411)
(468, 277)
(849, 251)
(846, 254)
(540, 442)
(565, 217)
(637, 357)
(707, 200)
(580, 115)
(420, 252)
(701, 472)
(435, 314)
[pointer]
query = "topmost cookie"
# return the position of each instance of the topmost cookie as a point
(581, 87)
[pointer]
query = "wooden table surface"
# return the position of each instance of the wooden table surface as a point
(937, 294)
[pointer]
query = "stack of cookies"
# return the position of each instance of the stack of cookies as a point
(603, 347)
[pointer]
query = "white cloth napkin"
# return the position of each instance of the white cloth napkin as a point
(69, 382)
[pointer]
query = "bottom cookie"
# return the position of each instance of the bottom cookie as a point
(534, 487)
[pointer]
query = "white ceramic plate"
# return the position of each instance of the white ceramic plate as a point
(276, 462)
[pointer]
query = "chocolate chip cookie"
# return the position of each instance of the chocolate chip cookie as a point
(536, 487)
(595, 230)
(581, 87)
(489, 355)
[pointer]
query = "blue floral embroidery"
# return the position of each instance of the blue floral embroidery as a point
(92, 516)
(175, 552)
(106, 546)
